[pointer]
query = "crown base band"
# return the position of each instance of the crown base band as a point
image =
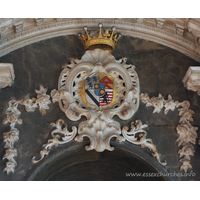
(100, 46)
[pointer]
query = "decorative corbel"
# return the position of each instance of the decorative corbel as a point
(7, 75)
(19, 27)
(191, 79)
(160, 23)
(39, 21)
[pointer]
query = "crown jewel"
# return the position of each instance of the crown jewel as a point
(105, 41)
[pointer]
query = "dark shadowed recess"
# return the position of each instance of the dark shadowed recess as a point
(79, 165)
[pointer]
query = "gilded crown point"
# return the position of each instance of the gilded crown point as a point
(104, 41)
(113, 28)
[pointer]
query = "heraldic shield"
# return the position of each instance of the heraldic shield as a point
(99, 89)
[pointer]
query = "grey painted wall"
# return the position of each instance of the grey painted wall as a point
(160, 70)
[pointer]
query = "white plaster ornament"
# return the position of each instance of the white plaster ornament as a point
(187, 133)
(12, 118)
(191, 79)
(98, 87)
(7, 75)
(10, 137)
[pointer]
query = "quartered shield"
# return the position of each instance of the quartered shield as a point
(99, 89)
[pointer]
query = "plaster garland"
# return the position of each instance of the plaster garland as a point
(187, 133)
(100, 126)
(10, 137)
(12, 118)
(42, 101)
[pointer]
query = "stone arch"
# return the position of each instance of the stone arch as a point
(171, 36)
(74, 163)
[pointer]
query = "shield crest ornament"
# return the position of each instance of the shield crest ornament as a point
(99, 89)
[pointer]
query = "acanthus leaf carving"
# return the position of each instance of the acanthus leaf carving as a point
(60, 135)
(99, 132)
(137, 135)
(75, 101)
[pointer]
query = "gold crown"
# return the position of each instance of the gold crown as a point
(105, 41)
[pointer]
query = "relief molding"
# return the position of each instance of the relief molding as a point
(191, 79)
(10, 137)
(187, 134)
(153, 31)
(100, 126)
(7, 75)
(12, 118)
(60, 129)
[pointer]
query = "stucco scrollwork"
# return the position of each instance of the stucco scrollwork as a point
(60, 135)
(187, 134)
(137, 135)
(100, 133)
(99, 87)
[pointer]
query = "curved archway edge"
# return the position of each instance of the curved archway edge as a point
(133, 29)
(68, 161)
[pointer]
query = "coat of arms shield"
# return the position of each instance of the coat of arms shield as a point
(99, 89)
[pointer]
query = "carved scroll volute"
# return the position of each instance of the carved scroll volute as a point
(128, 98)
(70, 108)
(76, 98)
(68, 86)
(72, 93)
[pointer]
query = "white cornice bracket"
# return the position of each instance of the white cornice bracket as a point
(7, 75)
(192, 79)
